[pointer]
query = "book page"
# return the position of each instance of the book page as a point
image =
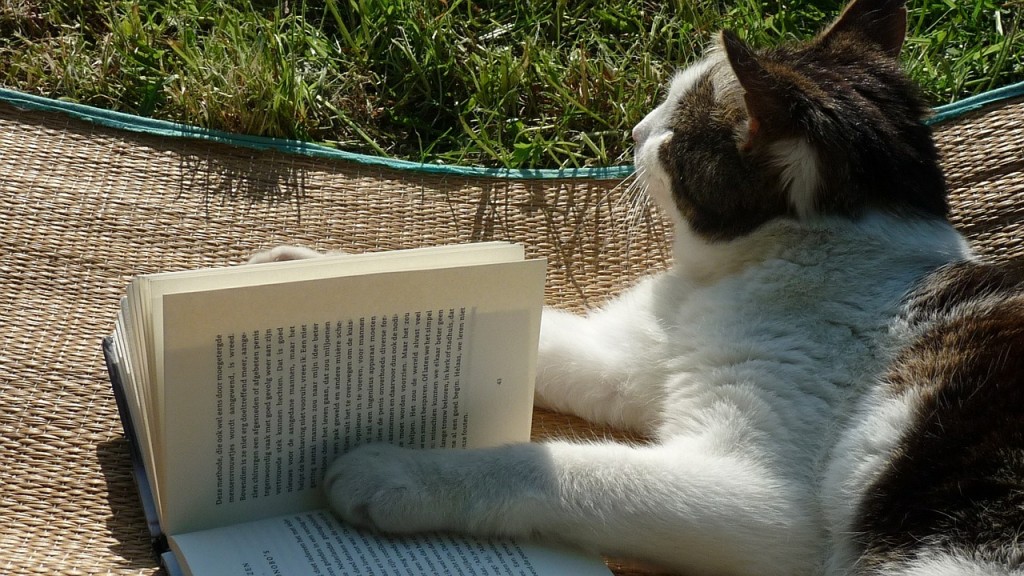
(153, 287)
(317, 544)
(129, 348)
(141, 327)
(261, 396)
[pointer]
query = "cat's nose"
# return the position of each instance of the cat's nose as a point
(640, 132)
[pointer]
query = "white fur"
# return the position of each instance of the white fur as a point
(740, 388)
(653, 131)
(683, 81)
(858, 458)
(800, 173)
(743, 363)
(940, 563)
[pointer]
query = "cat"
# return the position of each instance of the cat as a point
(829, 376)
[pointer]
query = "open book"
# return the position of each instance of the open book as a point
(238, 386)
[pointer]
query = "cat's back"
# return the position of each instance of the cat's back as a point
(946, 495)
(814, 287)
(803, 328)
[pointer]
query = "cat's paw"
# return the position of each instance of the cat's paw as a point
(382, 487)
(283, 253)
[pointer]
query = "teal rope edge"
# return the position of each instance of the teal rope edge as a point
(976, 102)
(130, 122)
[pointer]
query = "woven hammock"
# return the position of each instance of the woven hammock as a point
(86, 204)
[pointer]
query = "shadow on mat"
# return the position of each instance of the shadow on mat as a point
(255, 176)
(127, 524)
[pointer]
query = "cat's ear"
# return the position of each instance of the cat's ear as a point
(766, 99)
(880, 22)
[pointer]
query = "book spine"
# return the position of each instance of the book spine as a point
(156, 535)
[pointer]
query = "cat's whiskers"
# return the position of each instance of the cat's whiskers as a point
(612, 199)
(621, 198)
(639, 217)
(628, 206)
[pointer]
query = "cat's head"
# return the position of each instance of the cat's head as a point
(827, 127)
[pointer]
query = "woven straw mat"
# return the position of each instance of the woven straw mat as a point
(84, 208)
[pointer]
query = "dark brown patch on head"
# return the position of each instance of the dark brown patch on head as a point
(714, 182)
(956, 481)
(867, 124)
(843, 94)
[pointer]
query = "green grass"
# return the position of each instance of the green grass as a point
(525, 83)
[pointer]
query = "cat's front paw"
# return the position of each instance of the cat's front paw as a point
(282, 254)
(381, 487)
